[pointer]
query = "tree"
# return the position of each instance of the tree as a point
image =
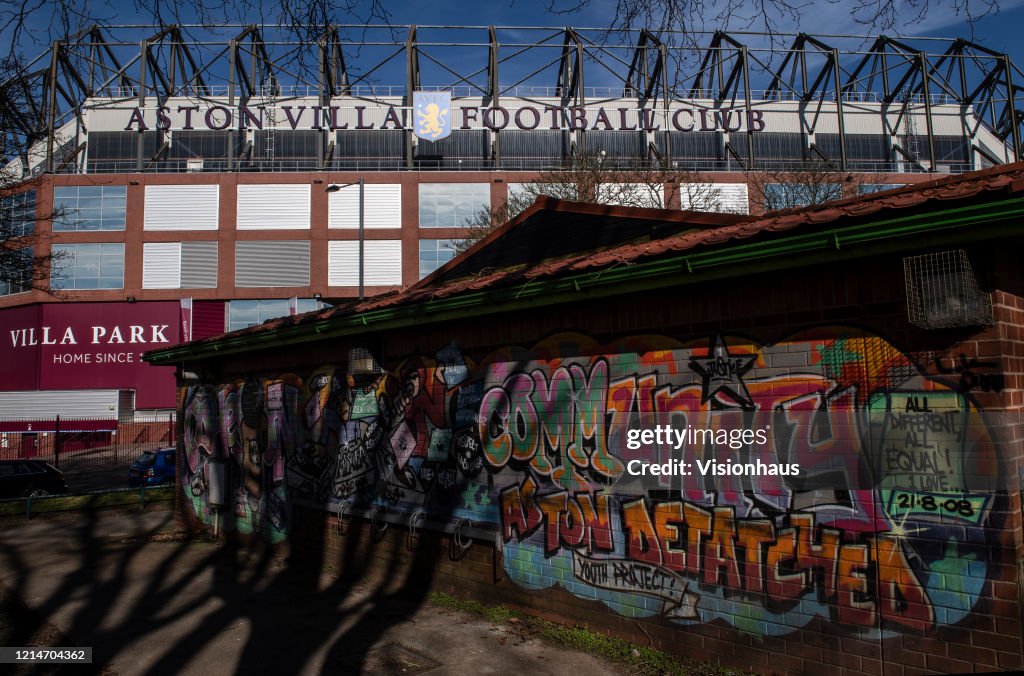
(596, 179)
(24, 264)
(44, 22)
(689, 17)
(809, 184)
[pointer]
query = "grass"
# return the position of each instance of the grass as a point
(80, 502)
(637, 659)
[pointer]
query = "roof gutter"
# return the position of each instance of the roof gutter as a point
(989, 220)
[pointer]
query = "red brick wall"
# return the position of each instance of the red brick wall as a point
(134, 237)
(905, 561)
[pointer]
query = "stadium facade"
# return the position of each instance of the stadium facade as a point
(193, 183)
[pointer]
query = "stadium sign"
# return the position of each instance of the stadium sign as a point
(431, 125)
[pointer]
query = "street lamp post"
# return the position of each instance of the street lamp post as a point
(335, 187)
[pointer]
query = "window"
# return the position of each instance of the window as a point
(724, 198)
(181, 207)
(303, 305)
(434, 253)
(18, 214)
(89, 207)
(791, 195)
(179, 265)
(245, 313)
(382, 206)
(450, 205)
(273, 207)
(88, 266)
(870, 188)
(649, 195)
(382, 262)
(283, 263)
(17, 273)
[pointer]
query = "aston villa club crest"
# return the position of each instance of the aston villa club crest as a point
(432, 115)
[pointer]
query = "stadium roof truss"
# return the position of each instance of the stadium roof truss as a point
(574, 66)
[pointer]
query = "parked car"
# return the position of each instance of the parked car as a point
(153, 468)
(30, 478)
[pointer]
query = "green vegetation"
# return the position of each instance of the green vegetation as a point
(65, 503)
(636, 659)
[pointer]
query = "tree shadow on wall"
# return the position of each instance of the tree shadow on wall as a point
(170, 601)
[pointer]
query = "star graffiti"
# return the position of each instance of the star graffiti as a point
(723, 372)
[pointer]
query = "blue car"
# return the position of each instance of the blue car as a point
(153, 468)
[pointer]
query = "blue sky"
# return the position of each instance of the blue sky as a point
(1000, 32)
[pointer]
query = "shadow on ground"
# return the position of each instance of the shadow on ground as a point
(149, 601)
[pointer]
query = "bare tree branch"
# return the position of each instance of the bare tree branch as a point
(809, 185)
(685, 17)
(594, 179)
(25, 257)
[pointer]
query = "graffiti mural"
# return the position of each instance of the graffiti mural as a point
(887, 527)
(236, 439)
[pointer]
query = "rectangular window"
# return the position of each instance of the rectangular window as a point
(88, 266)
(89, 207)
(18, 214)
(181, 207)
(16, 274)
(179, 265)
(246, 313)
(792, 195)
(259, 264)
(161, 265)
(725, 198)
(273, 207)
(303, 305)
(452, 205)
(382, 206)
(434, 253)
(382, 263)
(871, 188)
(650, 195)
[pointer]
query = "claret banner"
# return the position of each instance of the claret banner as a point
(89, 346)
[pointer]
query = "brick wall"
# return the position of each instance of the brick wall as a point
(896, 551)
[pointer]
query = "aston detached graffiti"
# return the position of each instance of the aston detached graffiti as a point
(887, 527)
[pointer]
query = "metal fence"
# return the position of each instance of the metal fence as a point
(94, 454)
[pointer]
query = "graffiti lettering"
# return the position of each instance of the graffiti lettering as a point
(967, 367)
(881, 531)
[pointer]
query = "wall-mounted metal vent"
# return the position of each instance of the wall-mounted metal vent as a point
(216, 482)
(361, 362)
(943, 293)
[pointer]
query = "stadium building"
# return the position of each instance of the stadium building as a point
(192, 183)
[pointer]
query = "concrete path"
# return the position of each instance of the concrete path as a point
(148, 602)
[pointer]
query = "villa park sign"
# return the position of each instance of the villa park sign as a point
(524, 118)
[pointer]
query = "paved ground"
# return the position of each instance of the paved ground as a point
(148, 602)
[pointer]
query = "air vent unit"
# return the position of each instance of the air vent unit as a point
(943, 293)
(361, 362)
(216, 482)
